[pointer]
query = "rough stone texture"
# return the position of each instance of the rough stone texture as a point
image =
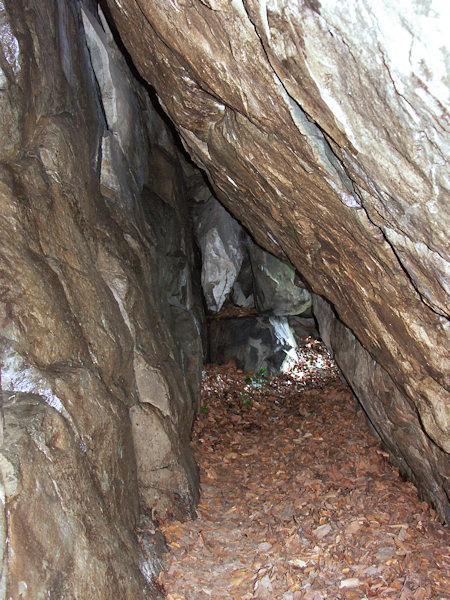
(278, 288)
(391, 414)
(96, 302)
(57, 539)
(253, 343)
(323, 127)
(219, 237)
(243, 289)
(236, 270)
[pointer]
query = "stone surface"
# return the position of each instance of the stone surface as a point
(278, 288)
(303, 327)
(243, 288)
(391, 413)
(219, 237)
(99, 313)
(254, 343)
(57, 537)
(324, 128)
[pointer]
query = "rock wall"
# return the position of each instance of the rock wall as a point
(100, 347)
(393, 418)
(324, 129)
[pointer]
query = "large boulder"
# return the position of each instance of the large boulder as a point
(324, 129)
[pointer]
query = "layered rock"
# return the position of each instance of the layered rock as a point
(99, 317)
(324, 128)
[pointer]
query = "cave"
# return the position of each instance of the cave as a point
(156, 156)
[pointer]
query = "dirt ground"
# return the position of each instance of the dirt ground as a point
(299, 500)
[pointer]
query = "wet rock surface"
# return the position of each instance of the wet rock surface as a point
(324, 129)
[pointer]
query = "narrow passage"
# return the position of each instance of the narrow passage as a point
(299, 500)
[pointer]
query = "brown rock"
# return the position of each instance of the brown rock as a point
(96, 306)
(327, 141)
(59, 539)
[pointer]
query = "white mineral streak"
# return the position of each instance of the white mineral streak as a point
(17, 376)
(239, 7)
(272, 238)
(285, 336)
(264, 20)
(8, 42)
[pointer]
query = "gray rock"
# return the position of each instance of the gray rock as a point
(243, 288)
(278, 289)
(219, 236)
(120, 101)
(253, 343)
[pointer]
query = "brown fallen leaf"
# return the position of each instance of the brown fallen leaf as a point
(354, 527)
(322, 530)
(263, 589)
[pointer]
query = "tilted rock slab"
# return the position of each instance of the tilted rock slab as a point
(219, 238)
(324, 128)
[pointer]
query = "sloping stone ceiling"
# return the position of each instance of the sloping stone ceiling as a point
(323, 127)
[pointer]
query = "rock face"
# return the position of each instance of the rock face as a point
(60, 542)
(324, 129)
(100, 343)
(277, 286)
(235, 269)
(219, 237)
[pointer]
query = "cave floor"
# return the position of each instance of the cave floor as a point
(298, 499)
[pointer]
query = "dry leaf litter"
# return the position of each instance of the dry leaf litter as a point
(299, 501)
